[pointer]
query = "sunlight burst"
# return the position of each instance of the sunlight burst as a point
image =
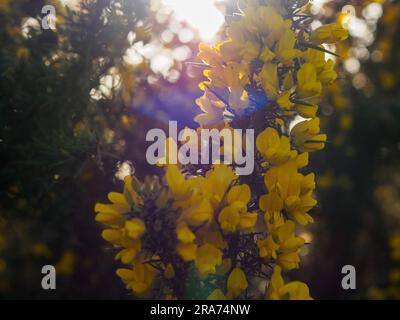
(203, 15)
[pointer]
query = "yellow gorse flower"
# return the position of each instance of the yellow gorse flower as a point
(139, 279)
(208, 257)
(235, 216)
(206, 220)
(309, 87)
(275, 149)
(283, 247)
(237, 282)
(307, 137)
(330, 33)
(278, 290)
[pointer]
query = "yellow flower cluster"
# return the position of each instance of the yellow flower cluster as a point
(124, 230)
(211, 209)
(269, 72)
(269, 58)
(274, 67)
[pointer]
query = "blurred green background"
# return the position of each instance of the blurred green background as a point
(76, 103)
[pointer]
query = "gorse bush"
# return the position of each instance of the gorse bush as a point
(203, 231)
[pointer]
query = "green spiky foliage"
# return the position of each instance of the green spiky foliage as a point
(52, 141)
